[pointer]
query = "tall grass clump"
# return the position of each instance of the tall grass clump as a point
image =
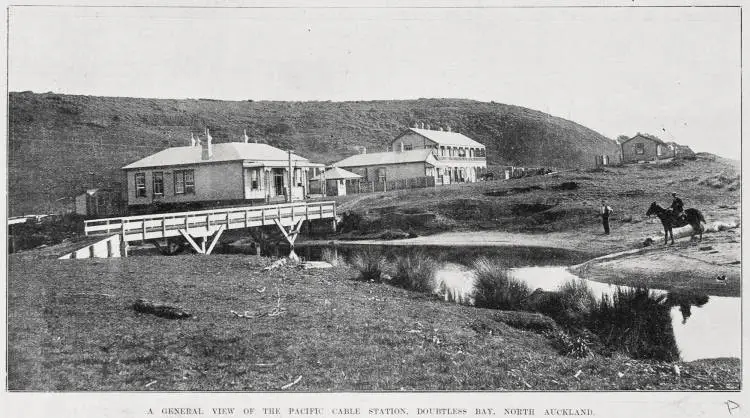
(370, 262)
(331, 257)
(636, 323)
(415, 271)
(570, 305)
(495, 288)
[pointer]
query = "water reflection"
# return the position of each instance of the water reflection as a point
(703, 326)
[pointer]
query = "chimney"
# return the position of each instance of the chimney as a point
(364, 150)
(207, 147)
(402, 146)
(192, 140)
(247, 139)
(448, 128)
(416, 124)
(428, 126)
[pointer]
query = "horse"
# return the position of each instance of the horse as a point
(669, 220)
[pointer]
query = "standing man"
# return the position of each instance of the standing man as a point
(604, 212)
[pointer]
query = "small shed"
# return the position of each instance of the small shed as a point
(98, 202)
(334, 180)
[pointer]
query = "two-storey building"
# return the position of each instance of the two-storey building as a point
(458, 158)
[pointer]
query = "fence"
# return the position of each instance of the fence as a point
(380, 186)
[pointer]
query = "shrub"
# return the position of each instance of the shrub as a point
(331, 257)
(370, 262)
(577, 296)
(636, 323)
(415, 271)
(578, 346)
(494, 287)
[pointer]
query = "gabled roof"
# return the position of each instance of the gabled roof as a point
(229, 151)
(443, 137)
(384, 158)
(657, 140)
(336, 173)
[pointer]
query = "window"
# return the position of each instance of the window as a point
(408, 147)
(140, 184)
(639, 149)
(184, 182)
(381, 174)
(255, 179)
(298, 177)
(158, 186)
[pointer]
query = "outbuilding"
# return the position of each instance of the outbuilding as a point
(333, 182)
(643, 148)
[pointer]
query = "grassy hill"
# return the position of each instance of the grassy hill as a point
(56, 141)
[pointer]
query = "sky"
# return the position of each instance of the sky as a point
(672, 72)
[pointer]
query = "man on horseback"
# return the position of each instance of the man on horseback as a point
(677, 207)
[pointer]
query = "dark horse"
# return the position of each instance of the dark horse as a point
(668, 219)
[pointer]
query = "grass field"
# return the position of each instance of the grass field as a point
(71, 327)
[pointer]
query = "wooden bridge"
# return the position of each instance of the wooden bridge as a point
(197, 226)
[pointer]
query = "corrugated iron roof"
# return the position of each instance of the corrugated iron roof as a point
(229, 151)
(383, 158)
(443, 137)
(337, 173)
(657, 140)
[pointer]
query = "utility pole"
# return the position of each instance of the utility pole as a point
(289, 195)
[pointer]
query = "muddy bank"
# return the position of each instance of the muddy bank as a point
(712, 267)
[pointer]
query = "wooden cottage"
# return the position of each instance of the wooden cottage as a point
(642, 148)
(209, 174)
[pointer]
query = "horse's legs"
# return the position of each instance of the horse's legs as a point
(671, 235)
(666, 234)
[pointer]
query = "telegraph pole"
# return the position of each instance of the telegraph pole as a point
(289, 195)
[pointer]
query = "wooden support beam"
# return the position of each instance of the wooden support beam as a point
(191, 241)
(283, 230)
(216, 239)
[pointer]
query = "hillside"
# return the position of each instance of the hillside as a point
(56, 141)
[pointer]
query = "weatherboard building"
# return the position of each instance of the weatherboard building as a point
(448, 157)
(206, 174)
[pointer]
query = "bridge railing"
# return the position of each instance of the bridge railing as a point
(165, 224)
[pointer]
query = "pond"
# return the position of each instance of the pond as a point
(706, 327)
(712, 330)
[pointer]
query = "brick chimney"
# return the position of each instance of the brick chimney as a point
(402, 146)
(207, 147)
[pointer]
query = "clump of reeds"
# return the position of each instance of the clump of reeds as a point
(415, 271)
(637, 323)
(331, 257)
(370, 262)
(577, 346)
(495, 288)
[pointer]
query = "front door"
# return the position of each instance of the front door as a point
(278, 181)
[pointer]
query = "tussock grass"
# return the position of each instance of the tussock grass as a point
(637, 323)
(371, 264)
(415, 271)
(332, 257)
(495, 288)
